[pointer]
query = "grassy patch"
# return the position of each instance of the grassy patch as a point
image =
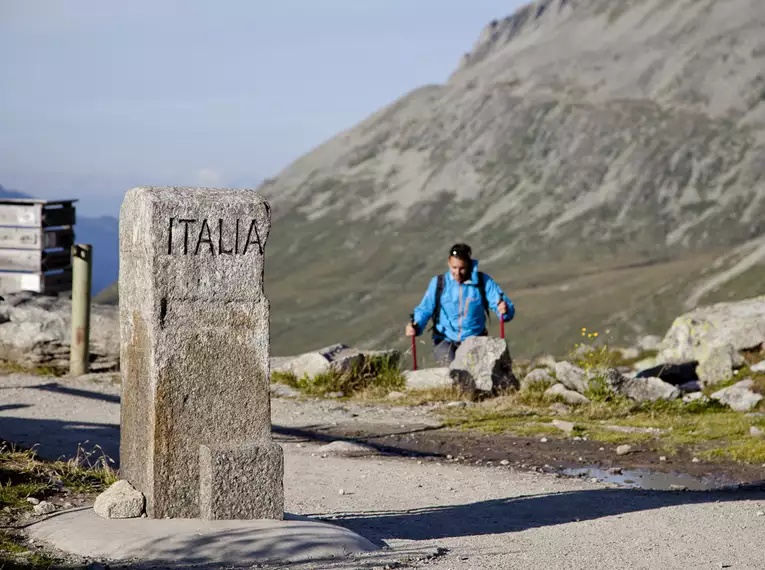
(23, 475)
(8, 367)
(371, 378)
(709, 429)
(15, 556)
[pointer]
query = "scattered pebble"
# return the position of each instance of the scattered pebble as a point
(504, 462)
(456, 404)
(663, 458)
(761, 513)
(449, 457)
(615, 471)
(602, 449)
(341, 492)
(696, 460)
(577, 438)
(543, 440)
(33, 501)
(623, 449)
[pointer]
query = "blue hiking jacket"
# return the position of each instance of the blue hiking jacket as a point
(462, 314)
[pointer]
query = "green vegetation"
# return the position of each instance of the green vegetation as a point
(709, 429)
(24, 475)
(8, 367)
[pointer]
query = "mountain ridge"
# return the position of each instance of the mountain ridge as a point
(579, 141)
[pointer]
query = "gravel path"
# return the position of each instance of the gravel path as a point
(485, 517)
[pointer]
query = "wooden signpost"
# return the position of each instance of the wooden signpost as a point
(36, 239)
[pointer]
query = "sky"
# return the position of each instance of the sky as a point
(97, 97)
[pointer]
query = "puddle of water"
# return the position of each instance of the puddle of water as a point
(646, 479)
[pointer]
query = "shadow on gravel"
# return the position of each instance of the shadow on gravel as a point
(57, 439)
(56, 387)
(313, 433)
(522, 513)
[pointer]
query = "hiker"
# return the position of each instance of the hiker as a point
(462, 307)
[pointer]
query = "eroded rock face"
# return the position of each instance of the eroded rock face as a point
(36, 329)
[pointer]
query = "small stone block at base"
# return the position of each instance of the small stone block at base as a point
(241, 481)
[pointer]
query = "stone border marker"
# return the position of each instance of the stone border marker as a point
(195, 347)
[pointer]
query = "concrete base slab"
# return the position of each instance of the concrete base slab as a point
(198, 541)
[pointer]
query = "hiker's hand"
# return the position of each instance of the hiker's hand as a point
(410, 330)
(502, 307)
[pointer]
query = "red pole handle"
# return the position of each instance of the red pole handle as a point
(414, 345)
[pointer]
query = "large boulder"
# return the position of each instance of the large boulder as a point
(483, 364)
(738, 397)
(36, 331)
(641, 389)
(740, 325)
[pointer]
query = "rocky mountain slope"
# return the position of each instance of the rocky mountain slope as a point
(604, 159)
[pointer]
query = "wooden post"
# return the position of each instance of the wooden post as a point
(79, 359)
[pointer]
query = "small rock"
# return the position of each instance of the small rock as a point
(678, 488)
(759, 367)
(569, 396)
(347, 449)
(761, 513)
(334, 395)
(738, 397)
(396, 395)
(560, 408)
(615, 471)
(623, 449)
(33, 501)
(44, 508)
(341, 492)
(543, 440)
(120, 501)
(567, 427)
(460, 404)
(449, 457)
(663, 458)
(67, 506)
(696, 460)
(504, 462)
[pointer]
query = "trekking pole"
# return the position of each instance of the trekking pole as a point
(502, 326)
(414, 345)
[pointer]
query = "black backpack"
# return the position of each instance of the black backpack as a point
(440, 290)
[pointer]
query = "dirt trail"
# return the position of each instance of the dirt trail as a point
(473, 516)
